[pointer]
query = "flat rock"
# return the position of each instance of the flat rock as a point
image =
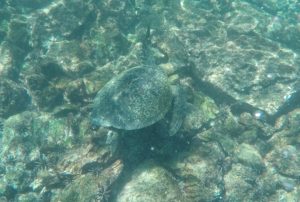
(150, 183)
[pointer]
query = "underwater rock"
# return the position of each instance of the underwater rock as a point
(14, 45)
(18, 36)
(286, 159)
(96, 79)
(5, 15)
(47, 179)
(59, 20)
(34, 142)
(243, 23)
(282, 195)
(240, 183)
(13, 98)
(239, 58)
(199, 171)
(106, 40)
(70, 56)
(89, 158)
(50, 83)
(91, 187)
(28, 5)
(75, 92)
(282, 21)
(249, 156)
(288, 184)
(151, 183)
(248, 136)
(267, 184)
(224, 130)
(29, 197)
(199, 113)
(286, 135)
(7, 69)
(34, 130)
(43, 93)
(246, 79)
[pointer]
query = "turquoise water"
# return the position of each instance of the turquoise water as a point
(220, 122)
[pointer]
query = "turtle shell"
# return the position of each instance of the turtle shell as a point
(134, 99)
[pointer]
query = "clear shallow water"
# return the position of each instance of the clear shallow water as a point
(236, 62)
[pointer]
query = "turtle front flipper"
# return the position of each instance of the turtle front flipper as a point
(175, 116)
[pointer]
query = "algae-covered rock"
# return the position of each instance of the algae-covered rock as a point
(13, 98)
(200, 171)
(150, 183)
(31, 142)
(239, 183)
(248, 155)
(267, 183)
(29, 197)
(45, 95)
(18, 35)
(64, 20)
(71, 57)
(91, 187)
(84, 188)
(244, 65)
(282, 195)
(88, 158)
(7, 68)
(200, 112)
(286, 159)
(33, 130)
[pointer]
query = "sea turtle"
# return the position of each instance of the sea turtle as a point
(137, 98)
